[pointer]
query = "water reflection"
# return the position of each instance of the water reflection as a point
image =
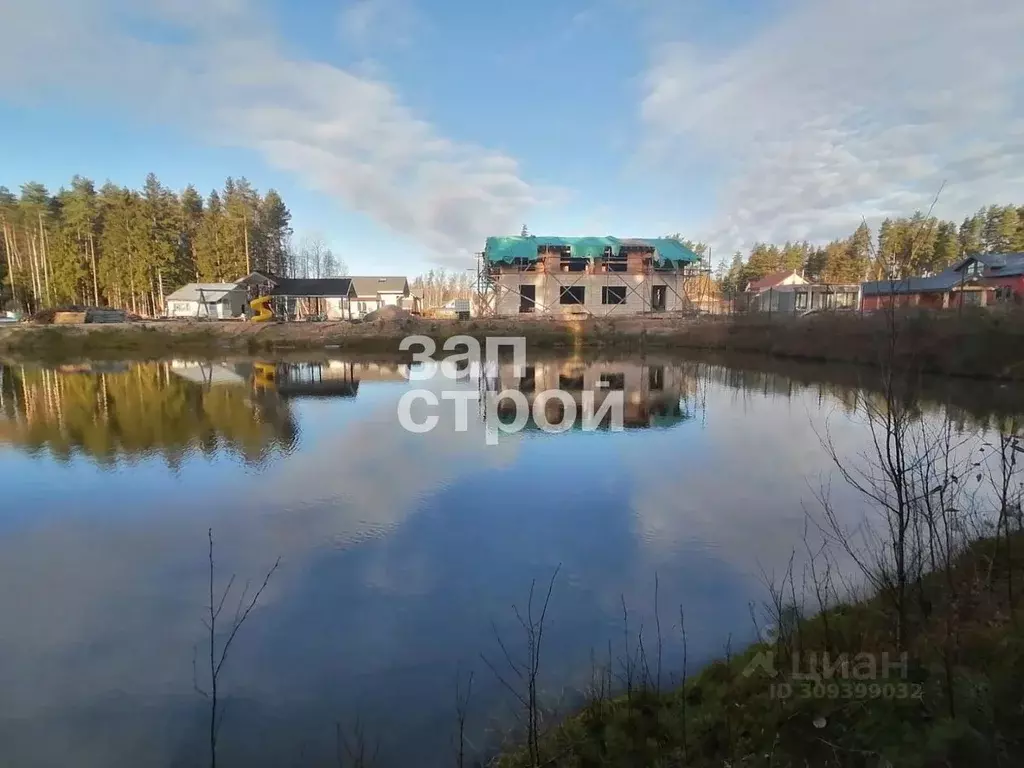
(112, 412)
(654, 394)
(398, 550)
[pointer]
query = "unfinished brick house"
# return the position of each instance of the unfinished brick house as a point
(655, 393)
(596, 276)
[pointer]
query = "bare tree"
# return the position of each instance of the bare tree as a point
(462, 699)
(218, 656)
(316, 260)
(354, 749)
(524, 675)
(1004, 479)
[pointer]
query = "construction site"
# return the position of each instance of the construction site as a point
(596, 276)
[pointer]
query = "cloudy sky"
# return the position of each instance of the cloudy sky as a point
(406, 131)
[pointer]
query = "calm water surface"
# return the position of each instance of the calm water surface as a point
(401, 554)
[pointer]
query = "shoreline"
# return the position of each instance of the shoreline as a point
(830, 688)
(987, 344)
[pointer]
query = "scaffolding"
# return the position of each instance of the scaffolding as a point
(693, 279)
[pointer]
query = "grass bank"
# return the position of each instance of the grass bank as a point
(985, 344)
(956, 698)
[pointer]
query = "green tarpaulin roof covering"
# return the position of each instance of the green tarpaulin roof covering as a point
(512, 249)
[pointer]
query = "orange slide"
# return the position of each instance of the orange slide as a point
(261, 309)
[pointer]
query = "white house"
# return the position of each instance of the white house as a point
(221, 301)
(372, 293)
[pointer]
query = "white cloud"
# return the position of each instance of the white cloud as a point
(379, 21)
(224, 74)
(843, 109)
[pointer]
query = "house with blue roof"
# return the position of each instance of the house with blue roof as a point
(979, 280)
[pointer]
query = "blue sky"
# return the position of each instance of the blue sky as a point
(406, 131)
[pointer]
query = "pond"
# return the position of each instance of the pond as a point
(401, 553)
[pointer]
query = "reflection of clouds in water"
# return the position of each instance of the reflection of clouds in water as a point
(743, 487)
(88, 601)
(398, 549)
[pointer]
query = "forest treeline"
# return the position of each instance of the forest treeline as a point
(122, 247)
(915, 245)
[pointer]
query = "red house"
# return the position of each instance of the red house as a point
(949, 289)
(981, 279)
(1003, 273)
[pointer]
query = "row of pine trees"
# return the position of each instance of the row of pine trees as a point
(128, 248)
(915, 245)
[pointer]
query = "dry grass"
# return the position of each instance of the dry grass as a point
(979, 343)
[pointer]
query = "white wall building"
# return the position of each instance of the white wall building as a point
(372, 293)
(222, 301)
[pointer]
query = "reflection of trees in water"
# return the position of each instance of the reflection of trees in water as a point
(661, 391)
(969, 404)
(145, 410)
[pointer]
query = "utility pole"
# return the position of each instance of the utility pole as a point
(160, 283)
(248, 261)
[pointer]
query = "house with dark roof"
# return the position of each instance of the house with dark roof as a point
(299, 298)
(1003, 273)
(954, 287)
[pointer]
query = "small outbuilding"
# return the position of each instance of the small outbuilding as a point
(221, 301)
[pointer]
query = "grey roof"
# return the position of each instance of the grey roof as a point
(816, 288)
(940, 283)
(207, 293)
(327, 287)
(998, 264)
(374, 284)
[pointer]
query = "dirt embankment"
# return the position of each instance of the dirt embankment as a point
(975, 343)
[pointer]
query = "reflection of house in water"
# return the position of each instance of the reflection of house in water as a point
(207, 374)
(334, 378)
(654, 395)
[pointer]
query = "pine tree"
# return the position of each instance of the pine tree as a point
(860, 253)
(212, 248)
(1007, 228)
(991, 234)
(972, 234)
(82, 220)
(793, 256)
(158, 253)
(817, 260)
(947, 247)
(12, 276)
(764, 260)
(191, 218)
(121, 247)
(239, 228)
(275, 223)
(733, 282)
(35, 217)
(840, 266)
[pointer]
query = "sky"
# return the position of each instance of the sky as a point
(404, 132)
